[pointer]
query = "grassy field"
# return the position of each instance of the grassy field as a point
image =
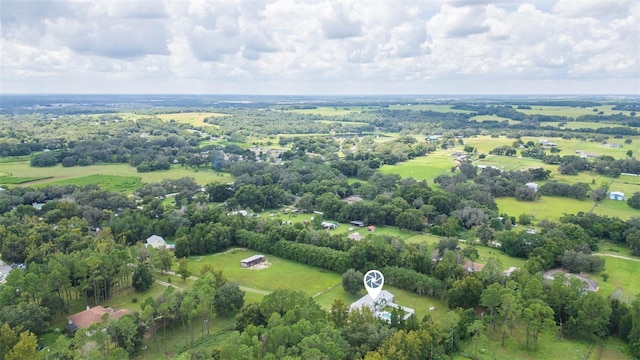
(571, 111)
(428, 107)
(507, 163)
(281, 274)
(547, 207)
(21, 169)
(330, 110)
(571, 125)
(549, 348)
(11, 180)
(423, 168)
(623, 275)
(193, 118)
(613, 208)
(105, 182)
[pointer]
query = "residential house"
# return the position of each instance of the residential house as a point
(84, 319)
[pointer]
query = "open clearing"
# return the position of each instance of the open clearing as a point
(193, 118)
(571, 111)
(547, 207)
(423, 168)
(281, 274)
(56, 173)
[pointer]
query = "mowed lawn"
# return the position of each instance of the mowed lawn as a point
(281, 274)
(57, 173)
(547, 207)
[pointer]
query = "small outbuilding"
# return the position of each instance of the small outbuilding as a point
(371, 228)
(157, 242)
(357, 223)
(252, 260)
(616, 195)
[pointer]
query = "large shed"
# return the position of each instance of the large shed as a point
(252, 260)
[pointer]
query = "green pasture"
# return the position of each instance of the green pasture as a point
(572, 125)
(623, 275)
(21, 169)
(549, 347)
(507, 163)
(482, 118)
(193, 118)
(571, 111)
(547, 207)
(105, 182)
(484, 252)
(423, 168)
(572, 146)
(280, 274)
(12, 180)
(428, 107)
(615, 208)
(625, 185)
(331, 111)
(484, 144)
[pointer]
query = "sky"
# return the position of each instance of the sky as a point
(311, 47)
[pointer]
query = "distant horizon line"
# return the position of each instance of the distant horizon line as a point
(322, 95)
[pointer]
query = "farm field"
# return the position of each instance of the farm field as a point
(547, 207)
(58, 173)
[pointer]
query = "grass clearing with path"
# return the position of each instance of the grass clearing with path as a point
(280, 274)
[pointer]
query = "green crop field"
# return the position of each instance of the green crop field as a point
(56, 173)
(547, 207)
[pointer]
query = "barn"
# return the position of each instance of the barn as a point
(252, 260)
